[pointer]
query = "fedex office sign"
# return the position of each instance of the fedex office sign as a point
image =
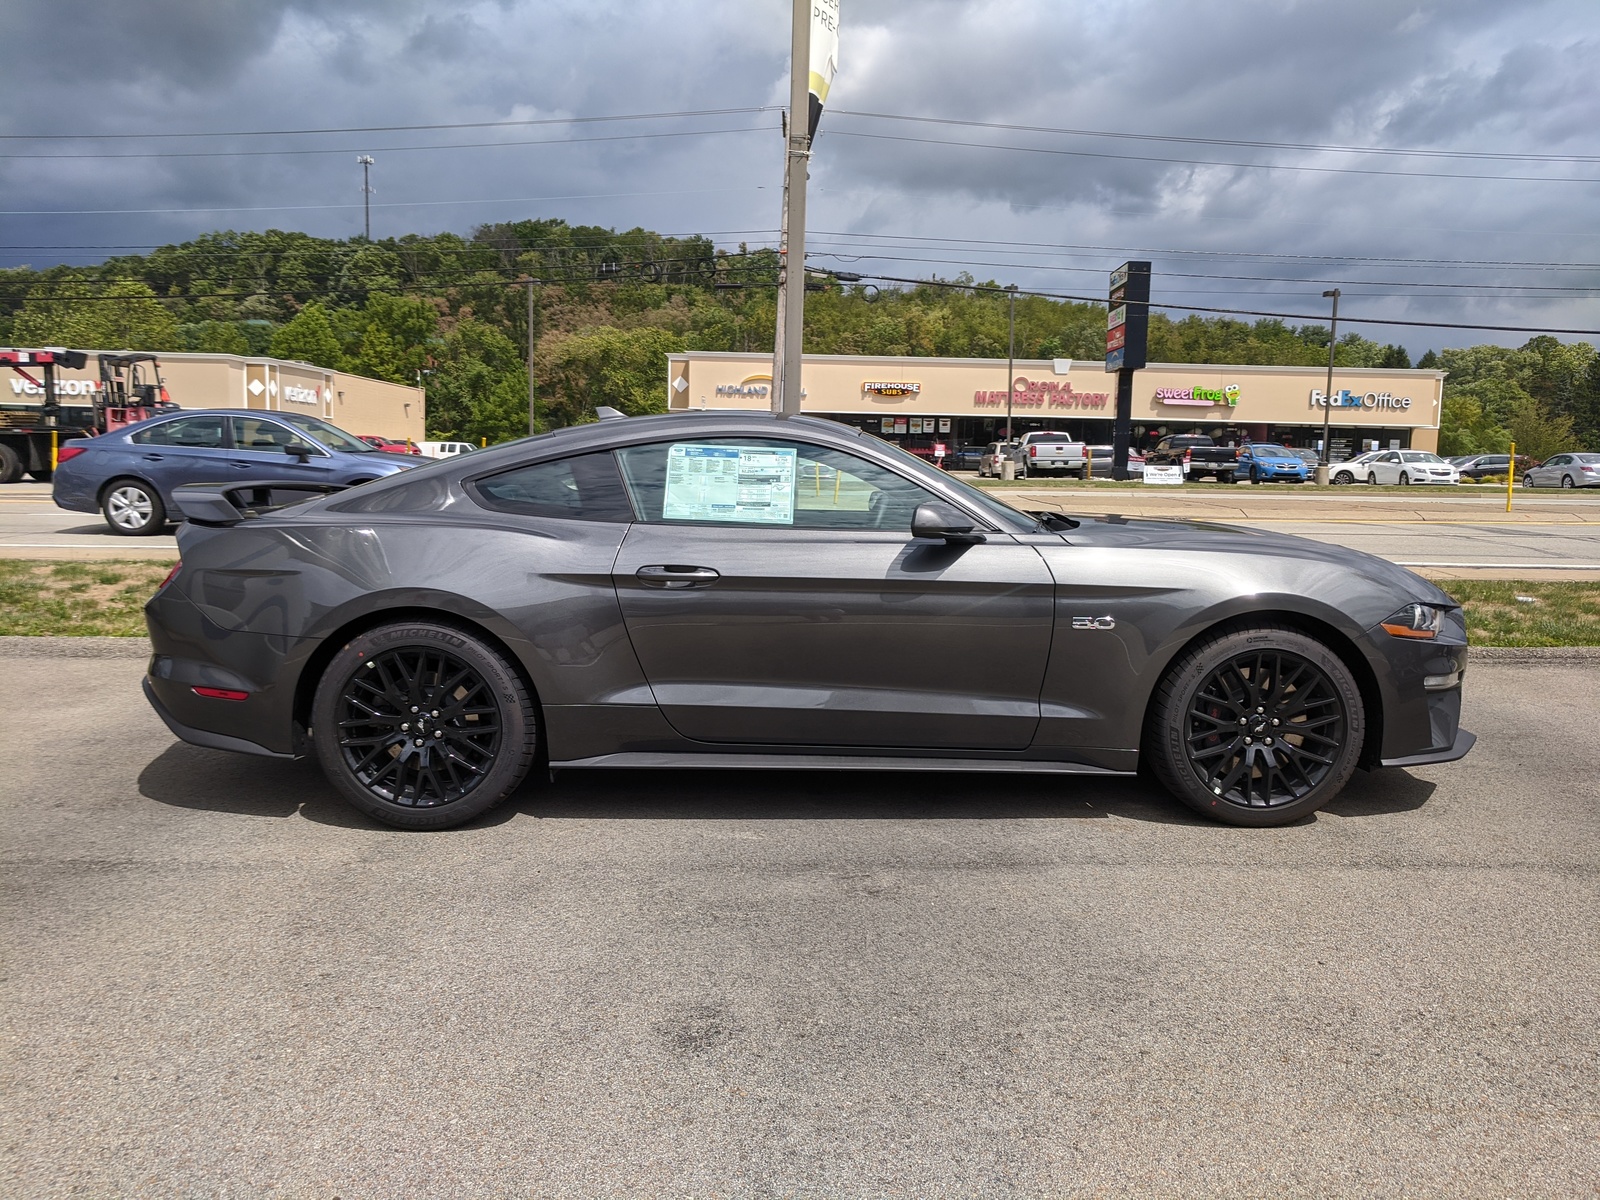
(1345, 398)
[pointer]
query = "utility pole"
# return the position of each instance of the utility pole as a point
(1011, 356)
(533, 403)
(787, 390)
(366, 192)
(783, 261)
(1327, 396)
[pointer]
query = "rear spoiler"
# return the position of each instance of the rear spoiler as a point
(230, 503)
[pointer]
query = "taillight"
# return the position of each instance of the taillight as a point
(1033, 452)
(220, 693)
(68, 452)
(1187, 454)
(172, 574)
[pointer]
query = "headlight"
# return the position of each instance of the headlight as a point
(1416, 621)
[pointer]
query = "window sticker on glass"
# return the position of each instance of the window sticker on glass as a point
(753, 484)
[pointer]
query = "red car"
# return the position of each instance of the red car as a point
(393, 447)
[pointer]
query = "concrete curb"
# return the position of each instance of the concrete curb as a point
(74, 647)
(139, 647)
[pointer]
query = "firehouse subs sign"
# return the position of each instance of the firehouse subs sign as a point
(891, 389)
(1042, 393)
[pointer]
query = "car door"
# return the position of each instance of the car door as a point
(187, 449)
(260, 451)
(774, 595)
(1386, 467)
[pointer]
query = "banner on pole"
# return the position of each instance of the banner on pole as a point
(824, 57)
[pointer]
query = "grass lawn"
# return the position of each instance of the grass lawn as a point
(79, 599)
(107, 598)
(1509, 613)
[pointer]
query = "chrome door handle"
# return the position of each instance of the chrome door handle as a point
(672, 575)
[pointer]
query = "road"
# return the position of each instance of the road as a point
(220, 981)
(1548, 536)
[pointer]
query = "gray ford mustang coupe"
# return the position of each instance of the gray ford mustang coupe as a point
(741, 590)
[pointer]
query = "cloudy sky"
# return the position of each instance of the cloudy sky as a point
(1248, 148)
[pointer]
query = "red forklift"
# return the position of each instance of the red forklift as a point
(130, 389)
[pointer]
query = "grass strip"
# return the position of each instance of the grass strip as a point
(1508, 612)
(107, 599)
(77, 599)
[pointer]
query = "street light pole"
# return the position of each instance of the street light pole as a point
(533, 405)
(1011, 355)
(1327, 396)
(366, 192)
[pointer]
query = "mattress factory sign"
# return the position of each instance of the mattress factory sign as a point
(1041, 393)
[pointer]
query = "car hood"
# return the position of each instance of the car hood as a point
(1205, 537)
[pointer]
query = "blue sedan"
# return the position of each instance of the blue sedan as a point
(128, 475)
(1266, 461)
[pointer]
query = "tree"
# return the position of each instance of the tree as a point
(1428, 362)
(218, 337)
(309, 338)
(1537, 431)
(623, 368)
(122, 315)
(1395, 357)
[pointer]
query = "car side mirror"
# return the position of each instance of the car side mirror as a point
(300, 450)
(941, 522)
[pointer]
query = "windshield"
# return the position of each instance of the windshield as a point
(1421, 456)
(1268, 450)
(330, 436)
(1004, 514)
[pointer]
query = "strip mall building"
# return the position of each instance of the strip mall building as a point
(920, 402)
(353, 402)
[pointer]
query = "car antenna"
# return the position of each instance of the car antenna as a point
(607, 413)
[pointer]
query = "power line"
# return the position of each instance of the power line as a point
(236, 133)
(1205, 141)
(620, 137)
(1206, 162)
(123, 212)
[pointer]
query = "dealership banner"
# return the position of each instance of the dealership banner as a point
(824, 57)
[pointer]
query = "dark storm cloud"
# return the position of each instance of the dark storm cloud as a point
(1468, 74)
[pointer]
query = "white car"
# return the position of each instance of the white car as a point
(1410, 466)
(1352, 469)
(446, 449)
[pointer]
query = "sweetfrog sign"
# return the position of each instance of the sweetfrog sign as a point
(1199, 397)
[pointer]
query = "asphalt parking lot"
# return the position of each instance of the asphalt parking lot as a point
(219, 981)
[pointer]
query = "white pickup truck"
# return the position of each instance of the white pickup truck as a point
(1045, 450)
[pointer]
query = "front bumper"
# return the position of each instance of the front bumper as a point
(1458, 749)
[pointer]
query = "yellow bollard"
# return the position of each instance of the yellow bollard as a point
(837, 476)
(483, 443)
(816, 479)
(55, 448)
(1511, 474)
(1088, 463)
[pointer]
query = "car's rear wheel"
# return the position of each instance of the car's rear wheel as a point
(133, 508)
(1256, 727)
(423, 726)
(10, 464)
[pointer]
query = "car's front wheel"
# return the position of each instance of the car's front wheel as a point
(423, 726)
(1344, 477)
(1404, 479)
(1566, 481)
(1527, 481)
(1257, 727)
(133, 508)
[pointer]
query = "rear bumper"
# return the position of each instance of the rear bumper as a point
(200, 737)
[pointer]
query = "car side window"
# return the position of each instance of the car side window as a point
(253, 433)
(1559, 460)
(765, 482)
(584, 488)
(203, 432)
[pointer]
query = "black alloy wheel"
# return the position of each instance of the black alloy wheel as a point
(423, 726)
(1258, 727)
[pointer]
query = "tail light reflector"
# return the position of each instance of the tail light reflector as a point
(1033, 452)
(220, 693)
(172, 574)
(66, 453)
